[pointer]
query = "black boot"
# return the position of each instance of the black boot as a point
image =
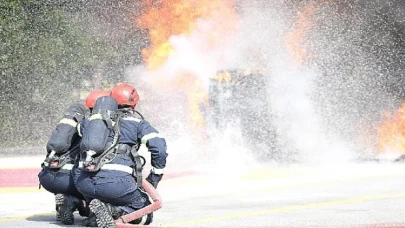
(144, 220)
(105, 213)
(90, 221)
(148, 218)
(83, 209)
(66, 205)
(58, 201)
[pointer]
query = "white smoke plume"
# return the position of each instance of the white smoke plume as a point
(301, 97)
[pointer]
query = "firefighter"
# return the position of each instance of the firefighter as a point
(110, 170)
(62, 148)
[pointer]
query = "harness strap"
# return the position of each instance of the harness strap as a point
(62, 160)
(138, 166)
(137, 159)
(67, 157)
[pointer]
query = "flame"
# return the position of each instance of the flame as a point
(196, 96)
(181, 17)
(206, 25)
(295, 39)
(391, 132)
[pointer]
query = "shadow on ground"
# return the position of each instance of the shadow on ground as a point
(42, 219)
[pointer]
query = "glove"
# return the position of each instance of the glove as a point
(154, 179)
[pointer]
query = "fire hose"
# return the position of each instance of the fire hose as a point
(122, 222)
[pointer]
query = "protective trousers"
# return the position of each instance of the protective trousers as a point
(115, 187)
(59, 182)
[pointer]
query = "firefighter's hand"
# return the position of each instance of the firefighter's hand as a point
(154, 179)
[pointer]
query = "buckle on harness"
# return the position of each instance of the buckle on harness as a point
(92, 164)
(88, 163)
(90, 168)
(89, 157)
(123, 149)
(54, 164)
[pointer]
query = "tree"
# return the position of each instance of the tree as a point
(47, 53)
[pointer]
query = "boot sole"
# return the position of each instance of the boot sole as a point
(103, 217)
(63, 214)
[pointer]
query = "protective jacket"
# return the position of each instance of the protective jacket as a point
(132, 133)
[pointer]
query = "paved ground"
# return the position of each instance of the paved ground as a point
(350, 195)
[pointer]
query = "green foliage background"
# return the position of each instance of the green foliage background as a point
(51, 54)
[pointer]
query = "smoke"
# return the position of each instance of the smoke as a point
(324, 110)
(327, 109)
(291, 86)
(354, 49)
(173, 90)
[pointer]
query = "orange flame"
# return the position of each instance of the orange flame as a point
(295, 39)
(183, 18)
(391, 132)
(180, 17)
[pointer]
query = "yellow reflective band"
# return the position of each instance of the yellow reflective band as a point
(68, 122)
(117, 167)
(132, 119)
(145, 138)
(78, 130)
(96, 116)
(157, 171)
(67, 166)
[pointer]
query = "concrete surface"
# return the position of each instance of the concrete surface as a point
(348, 195)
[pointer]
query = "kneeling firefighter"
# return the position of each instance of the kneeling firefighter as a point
(63, 148)
(110, 170)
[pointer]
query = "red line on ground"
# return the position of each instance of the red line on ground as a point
(19, 177)
(29, 177)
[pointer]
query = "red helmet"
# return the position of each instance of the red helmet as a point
(125, 94)
(93, 96)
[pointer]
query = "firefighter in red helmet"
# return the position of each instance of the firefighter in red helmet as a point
(62, 148)
(119, 190)
(125, 95)
(93, 96)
